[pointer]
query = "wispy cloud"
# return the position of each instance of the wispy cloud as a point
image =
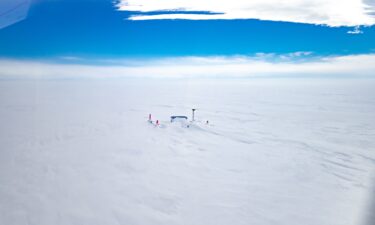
(326, 12)
(12, 11)
(356, 30)
(196, 67)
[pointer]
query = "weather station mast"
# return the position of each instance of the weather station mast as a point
(193, 114)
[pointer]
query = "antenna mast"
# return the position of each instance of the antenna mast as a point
(193, 119)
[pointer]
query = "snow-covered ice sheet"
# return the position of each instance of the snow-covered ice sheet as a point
(275, 151)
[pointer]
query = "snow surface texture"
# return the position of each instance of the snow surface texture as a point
(276, 151)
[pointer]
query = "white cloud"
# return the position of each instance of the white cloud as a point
(326, 12)
(195, 67)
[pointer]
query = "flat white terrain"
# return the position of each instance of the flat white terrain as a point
(275, 151)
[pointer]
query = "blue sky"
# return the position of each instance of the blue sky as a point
(100, 31)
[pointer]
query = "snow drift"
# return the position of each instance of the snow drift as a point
(275, 152)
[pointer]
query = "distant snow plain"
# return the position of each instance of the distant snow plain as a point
(275, 151)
